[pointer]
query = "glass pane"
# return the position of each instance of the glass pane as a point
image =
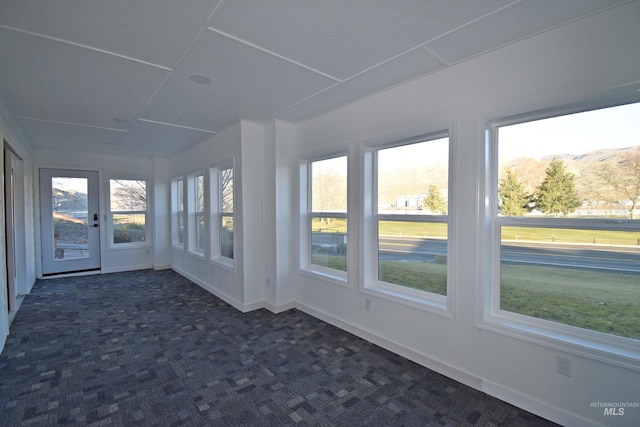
(180, 206)
(70, 214)
(329, 242)
(129, 228)
(226, 190)
(226, 249)
(329, 185)
(199, 190)
(581, 165)
(200, 231)
(413, 254)
(414, 179)
(584, 278)
(128, 195)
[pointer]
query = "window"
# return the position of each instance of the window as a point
(222, 187)
(565, 222)
(196, 212)
(226, 212)
(128, 211)
(177, 202)
(409, 226)
(327, 219)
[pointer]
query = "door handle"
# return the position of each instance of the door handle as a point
(95, 225)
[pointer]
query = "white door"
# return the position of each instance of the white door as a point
(9, 224)
(70, 220)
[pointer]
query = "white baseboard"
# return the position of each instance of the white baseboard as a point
(207, 287)
(126, 268)
(276, 309)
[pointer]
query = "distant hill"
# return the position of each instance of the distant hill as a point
(410, 181)
(532, 171)
(72, 199)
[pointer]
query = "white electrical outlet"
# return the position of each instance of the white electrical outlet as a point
(564, 366)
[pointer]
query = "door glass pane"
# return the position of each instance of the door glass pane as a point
(70, 214)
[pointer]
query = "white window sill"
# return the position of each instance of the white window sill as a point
(225, 263)
(330, 275)
(426, 301)
(599, 346)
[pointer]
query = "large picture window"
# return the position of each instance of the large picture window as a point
(327, 200)
(410, 218)
(566, 194)
(222, 214)
(128, 211)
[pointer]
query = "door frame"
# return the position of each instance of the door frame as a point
(10, 226)
(42, 248)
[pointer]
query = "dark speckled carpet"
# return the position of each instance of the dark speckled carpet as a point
(152, 348)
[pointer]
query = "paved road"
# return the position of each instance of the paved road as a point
(597, 258)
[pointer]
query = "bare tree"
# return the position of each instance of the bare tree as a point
(226, 186)
(128, 195)
(620, 183)
(329, 192)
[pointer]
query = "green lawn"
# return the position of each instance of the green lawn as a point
(417, 275)
(604, 302)
(561, 235)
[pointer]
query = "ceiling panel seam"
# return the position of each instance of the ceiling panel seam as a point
(273, 115)
(94, 49)
(58, 122)
(435, 55)
(181, 58)
(176, 126)
(284, 58)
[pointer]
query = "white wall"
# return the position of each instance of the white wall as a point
(227, 283)
(278, 216)
(161, 202)
(112, 259)
(24, 213)
(572, 63)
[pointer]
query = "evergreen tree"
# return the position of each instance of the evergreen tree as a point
(513, 199)
(557, 194)
(434, 200)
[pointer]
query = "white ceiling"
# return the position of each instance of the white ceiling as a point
(113, 76)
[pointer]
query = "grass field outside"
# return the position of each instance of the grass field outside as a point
(603, 302)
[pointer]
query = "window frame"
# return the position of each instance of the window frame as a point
(592, 344)
(427, 301)
(306, 265)
(111, 212)
(216, 214)
(178, 212)
(194, 214)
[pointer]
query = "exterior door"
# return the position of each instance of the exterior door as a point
(70, 220)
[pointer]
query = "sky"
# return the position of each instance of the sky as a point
(428, 153)
(580, 133)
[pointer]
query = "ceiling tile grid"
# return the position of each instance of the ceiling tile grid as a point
(155, 31)
(46, 79)
(129, 65)
(246, 83)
